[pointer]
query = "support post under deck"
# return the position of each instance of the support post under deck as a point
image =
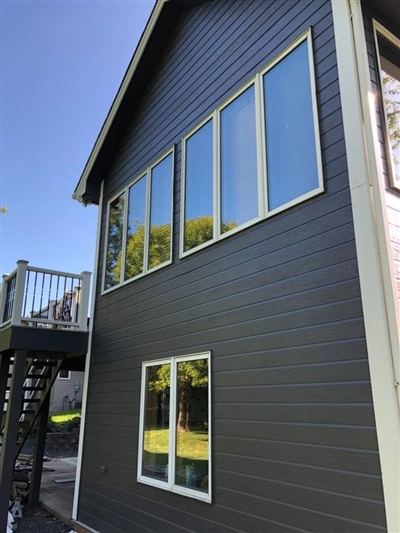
(38, 453)
(7, 457)
(4, 369)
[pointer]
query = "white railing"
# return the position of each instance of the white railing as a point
(38, 297)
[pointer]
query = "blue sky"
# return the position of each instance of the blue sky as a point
(61, 65)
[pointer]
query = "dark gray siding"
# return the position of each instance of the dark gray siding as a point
(294, 440)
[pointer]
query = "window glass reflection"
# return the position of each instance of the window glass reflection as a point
(239, 196)
(199, 187)
(136, 229)
(114, 242)
(192, 429)
(160, 213)
(291, 149)
(390, 75)
(156, 422)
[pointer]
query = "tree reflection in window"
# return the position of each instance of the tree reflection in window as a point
(390, 75)
(114, 242)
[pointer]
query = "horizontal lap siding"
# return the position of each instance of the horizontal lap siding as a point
(278, 305)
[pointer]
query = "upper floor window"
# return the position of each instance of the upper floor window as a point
(256, 155)
(388, 47)
(139, 236)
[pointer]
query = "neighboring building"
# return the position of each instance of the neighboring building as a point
(245, 341)
(66, 392)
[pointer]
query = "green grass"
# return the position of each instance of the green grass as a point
(65, 416)
(191, 445)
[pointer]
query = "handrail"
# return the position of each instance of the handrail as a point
(40, 297)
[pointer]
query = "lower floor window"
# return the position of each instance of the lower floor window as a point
(174, 440)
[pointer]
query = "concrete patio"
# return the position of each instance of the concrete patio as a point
(57, 498)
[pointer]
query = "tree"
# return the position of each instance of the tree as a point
(200, 230)
(391, 92)
(114, 242)
(191, 375)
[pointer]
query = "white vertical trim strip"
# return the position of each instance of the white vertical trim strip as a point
(261, 149)
(87, 363)
(172, 422)
(216, 177)
(354, 97)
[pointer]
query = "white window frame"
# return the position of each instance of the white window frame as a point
(263, 213)
(67, 378)
(147, 174)
(169, 485)
(386, 34)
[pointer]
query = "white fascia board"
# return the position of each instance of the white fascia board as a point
(80, 188)
(372, 252)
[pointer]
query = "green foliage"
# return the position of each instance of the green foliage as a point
(198, 231)
(114, 242)
(391, 89)
(67, 426)
(159, 245)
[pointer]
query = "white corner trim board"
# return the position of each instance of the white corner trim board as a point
(87, 364)
(368, 227)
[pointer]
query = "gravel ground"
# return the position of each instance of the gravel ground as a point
(40, 521)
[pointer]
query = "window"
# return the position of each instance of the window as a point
(64, 374)
(139, 236)
(256, 155)
(174, 440)
(388, 47)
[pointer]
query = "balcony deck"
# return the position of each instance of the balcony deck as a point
(44, 311)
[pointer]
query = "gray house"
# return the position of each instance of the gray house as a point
(244, 362)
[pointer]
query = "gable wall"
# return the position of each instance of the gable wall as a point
(278, 304)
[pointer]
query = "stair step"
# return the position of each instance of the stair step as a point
(27, 401)
(34, 388)
(41, 364)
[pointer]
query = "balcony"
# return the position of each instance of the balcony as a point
(44, 310)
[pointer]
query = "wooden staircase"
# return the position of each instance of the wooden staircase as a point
(40, 374)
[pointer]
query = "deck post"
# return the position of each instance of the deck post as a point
(7, 457)
(19, 293)
(4, 369)
(38, 453)
(3, 296)
(84, 301)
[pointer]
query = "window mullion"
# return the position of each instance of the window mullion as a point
(261, 151)
(172, 424)
(216, 175)
(147, 222)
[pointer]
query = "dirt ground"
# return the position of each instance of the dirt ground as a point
(40, 521)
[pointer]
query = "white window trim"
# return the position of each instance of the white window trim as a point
(65, 379)
(144, 174)
(386, 34)
(264, 213)
(169, 485)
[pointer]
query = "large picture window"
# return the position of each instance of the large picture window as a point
(174, 440)
(140, 226)
(388, 47)
(257, 154)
